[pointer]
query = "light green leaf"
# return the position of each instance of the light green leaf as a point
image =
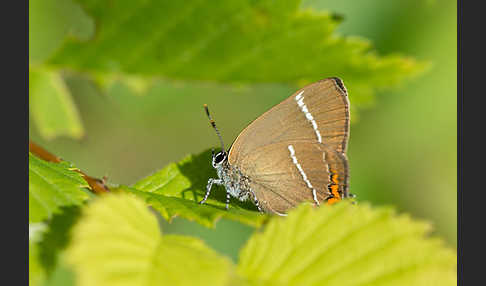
(118, 242)
(51, 186)
(345, 245)
(51, 105)
(36, 231)
(238, 41)
(51, 21)
(177, 189)
(36, 272)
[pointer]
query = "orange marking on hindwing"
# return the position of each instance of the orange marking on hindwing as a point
(334, 187)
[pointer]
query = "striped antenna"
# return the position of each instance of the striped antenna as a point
(214, 126)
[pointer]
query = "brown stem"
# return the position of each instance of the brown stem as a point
(97, 185)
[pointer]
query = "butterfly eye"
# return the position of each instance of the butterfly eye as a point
(220, 157)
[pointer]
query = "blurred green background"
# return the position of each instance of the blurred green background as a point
(402, 149)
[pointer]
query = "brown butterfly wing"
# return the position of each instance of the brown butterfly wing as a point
(285, 174)
(315, 121)
(325, 100)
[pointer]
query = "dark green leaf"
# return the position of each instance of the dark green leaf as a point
(207, 215)
(57, 237)
(177, 189)
(51, 21)
(238, 41)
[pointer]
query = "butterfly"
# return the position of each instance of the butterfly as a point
(294, 152)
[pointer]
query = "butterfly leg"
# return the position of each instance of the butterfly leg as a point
(255, 200)
(227, 199)
(211, 181)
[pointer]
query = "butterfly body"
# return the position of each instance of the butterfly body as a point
(292, 153)
(231, 177)
(235, 182)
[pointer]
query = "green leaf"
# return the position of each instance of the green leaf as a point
(36, 231)
(51, 21)
(118, 242)
(207, 215)
(238, 41)
(47, 242)
(51, 105)
(51, 186)
(36, 272)
(57, 237)
(176, 190)
(344, 245)
(62, 275)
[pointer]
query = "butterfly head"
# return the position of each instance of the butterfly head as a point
(219, 159)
